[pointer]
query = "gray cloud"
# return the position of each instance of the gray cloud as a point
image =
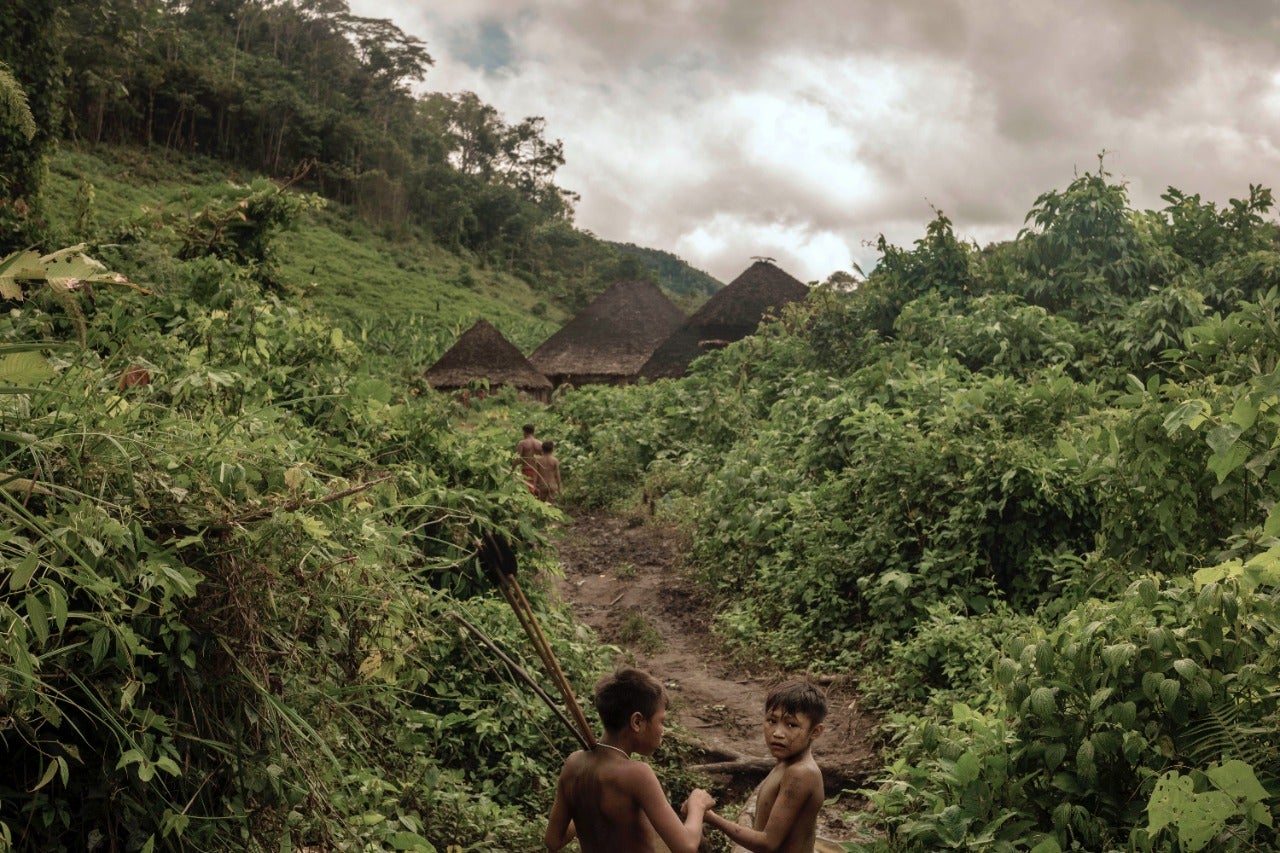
(722, 129)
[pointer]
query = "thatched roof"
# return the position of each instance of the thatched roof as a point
(481, 352)
(612, 337)
(730, 315)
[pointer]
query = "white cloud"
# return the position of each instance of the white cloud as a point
(722, 129)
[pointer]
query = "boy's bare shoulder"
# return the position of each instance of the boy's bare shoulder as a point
(802, 773)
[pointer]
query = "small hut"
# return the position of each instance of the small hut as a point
(610, 339)
(729, 315)
(482, 353)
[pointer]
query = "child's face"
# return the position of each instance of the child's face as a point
(788, 735)
(650, 730)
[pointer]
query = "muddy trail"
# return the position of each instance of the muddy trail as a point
(623, 576)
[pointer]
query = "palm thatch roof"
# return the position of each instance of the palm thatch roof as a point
(730, 315)
(481, 352)
(611, 338)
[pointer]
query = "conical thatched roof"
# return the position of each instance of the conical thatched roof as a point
(611, 338)
(481, 352)
(730, 315)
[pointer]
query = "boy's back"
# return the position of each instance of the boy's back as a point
(611, 803)
(603, 795)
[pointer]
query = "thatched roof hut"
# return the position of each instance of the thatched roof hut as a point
(609, 340)
(481, 352)
(730, 315)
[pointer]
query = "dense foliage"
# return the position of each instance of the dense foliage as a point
(1026, 493)
(232, 546)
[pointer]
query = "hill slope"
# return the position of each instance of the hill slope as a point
(347, 268)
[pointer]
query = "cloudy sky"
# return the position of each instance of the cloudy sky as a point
(803, 129)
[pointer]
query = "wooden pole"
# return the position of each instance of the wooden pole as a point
(496, 555)
(524, 676)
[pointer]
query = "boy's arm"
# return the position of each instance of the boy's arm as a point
(787, 809)
(679, 836)
(560, 828)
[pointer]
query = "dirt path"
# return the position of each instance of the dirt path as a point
(622, 576)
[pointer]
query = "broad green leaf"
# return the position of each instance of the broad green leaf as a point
(1099, 698)
(131, 756)
(49, 773)
(57, 605)
(1044, 702)
(1222, 464)
(38, 614)
(1202, 818)
(1236, 778)
(1191, 414)
(1271, 527)
(22, 574)
(411, 841)
(1245, 412)
(1221, 439)
(967, 769)
(100, 645)
(24, 368)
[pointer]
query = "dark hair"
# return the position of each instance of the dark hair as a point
(548, 446)
(625, 691)
(528, 429)
(798, 697)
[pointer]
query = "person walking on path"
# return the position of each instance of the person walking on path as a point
(548, 468)
(528, 450)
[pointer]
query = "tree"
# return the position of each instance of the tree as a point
(31, 93)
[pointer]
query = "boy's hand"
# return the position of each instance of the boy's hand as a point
(699, 799)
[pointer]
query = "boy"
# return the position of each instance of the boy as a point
(611, 803)
(788, 800)
(548, 467)
(528, 449)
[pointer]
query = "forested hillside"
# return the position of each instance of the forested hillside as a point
(306, 94)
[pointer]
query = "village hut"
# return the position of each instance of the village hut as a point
(731, 314)
(610, 339)
(482, 353)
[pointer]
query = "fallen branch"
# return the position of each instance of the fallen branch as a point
(295, 505)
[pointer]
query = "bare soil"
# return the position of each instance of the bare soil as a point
(624, 577)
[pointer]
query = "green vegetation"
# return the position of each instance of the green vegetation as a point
(1026, 492)
(1029, 493)
(676, 276)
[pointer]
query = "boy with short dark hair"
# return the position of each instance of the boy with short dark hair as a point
(790, 797)
(548, 467)
(611, 803)
(528, 449)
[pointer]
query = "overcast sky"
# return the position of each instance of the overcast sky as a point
(803, 129)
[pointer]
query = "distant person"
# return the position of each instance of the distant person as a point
(790, 797)
(528, 450)
(548, 468)
(611, 803)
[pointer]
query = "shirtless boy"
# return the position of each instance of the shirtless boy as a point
(788, 800)
(548, 467)
(611, 803)
(528, 449)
